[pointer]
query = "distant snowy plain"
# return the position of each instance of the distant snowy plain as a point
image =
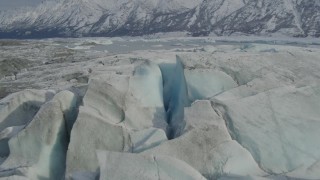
(160, 108)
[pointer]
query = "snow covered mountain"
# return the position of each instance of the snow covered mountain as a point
(74, 18)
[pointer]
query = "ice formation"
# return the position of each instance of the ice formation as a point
(226, 112)
(39, 149)
(153, 167)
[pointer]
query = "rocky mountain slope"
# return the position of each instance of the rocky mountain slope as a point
(74, 18)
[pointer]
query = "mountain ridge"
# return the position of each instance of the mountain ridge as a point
(77, 18)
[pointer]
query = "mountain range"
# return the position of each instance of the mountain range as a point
(78, 18)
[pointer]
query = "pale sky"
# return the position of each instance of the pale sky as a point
(9, 4)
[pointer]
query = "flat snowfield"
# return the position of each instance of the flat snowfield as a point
(171, 108)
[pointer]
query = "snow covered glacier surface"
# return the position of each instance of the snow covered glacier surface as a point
(196, 109)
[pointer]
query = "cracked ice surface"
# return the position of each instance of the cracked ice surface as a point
(200, 110)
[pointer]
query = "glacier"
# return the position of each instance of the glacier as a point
(195, 108)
